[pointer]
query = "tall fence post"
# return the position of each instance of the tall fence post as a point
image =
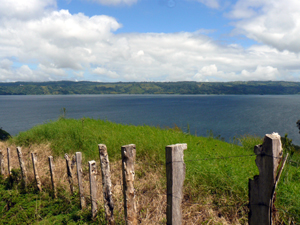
(106, 184)
(8, 162)
(261, 187)
(78, 156)
(51, 167)
(22, 166)
(69, 173)
(1, 163)
(175, 168)
(128, 158)
(93, 187)
(35, 170)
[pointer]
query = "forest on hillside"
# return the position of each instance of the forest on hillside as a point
(189, 87)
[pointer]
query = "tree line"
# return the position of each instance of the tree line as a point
(190, 87)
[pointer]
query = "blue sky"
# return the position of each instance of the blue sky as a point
(149, 40)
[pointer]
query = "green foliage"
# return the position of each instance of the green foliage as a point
(191, 87)
(4, 135)
(287, 145)
(298, 125)
(216, 172)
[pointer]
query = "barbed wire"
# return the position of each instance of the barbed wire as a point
(216, 158)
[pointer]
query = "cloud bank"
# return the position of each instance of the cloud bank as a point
(40, 43)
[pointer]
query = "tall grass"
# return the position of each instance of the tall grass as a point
(217, 172)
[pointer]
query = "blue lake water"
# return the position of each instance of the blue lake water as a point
(226, 115)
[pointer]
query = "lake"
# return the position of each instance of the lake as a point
(226, 115)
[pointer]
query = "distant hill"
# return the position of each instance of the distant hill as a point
(85, 87)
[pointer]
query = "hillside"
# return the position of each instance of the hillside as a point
(85, 87)
(215, 189)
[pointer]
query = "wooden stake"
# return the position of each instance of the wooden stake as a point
(22, 166)
(1, 163)
(93, 187)
(69, 173)
(175, 177)
(35, 170)
(8, 162)
(78, 156)
(260, 189)
(128, 158)
(51, 166)
(106, 184)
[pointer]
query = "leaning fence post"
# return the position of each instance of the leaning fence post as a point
(51, 166)
(35, 170)
(93, 187)
(8, 162)
(261, 187)
(22, 166)
(1, 163)
(69, 173)
(78, 156)
(175, 168)
(128, 158)
(106, 184)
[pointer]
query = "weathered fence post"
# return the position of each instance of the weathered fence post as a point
(128, 158)
(1, 163)
(106, 184)
(35, 170)
(51, 166)
(8, 162)
(78, 156)
(69, 173)
(93, 187)
(22, 166)
(261, 188)
(175, 168)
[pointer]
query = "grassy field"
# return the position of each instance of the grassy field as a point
(215, 190)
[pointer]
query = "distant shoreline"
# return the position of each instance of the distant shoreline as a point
(170, 88)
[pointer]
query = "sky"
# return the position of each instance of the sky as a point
(149, 40)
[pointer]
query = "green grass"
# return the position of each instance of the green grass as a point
(217, 172)
(30, 207)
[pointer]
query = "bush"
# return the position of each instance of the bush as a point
(4, 135)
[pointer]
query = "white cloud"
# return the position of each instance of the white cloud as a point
(105, 72)
(275, 23)
(23, 10)
(62, 45)
(261, 73)
(210, 3)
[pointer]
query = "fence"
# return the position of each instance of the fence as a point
(261, 188)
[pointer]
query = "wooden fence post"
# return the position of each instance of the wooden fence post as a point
(35, 170)
(93, 187)
(128, 158)
(175, 168)
(8, 162)
(1, 163)
(106, 184)
(267, 160)
(51, 166)
(69, 173)
(22, 166)
(78, 156)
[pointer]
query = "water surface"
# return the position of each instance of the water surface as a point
(226, 115)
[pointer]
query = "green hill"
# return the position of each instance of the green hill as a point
(85, 87)
(216, 185)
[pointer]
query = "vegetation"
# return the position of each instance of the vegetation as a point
(217, 172)
(4, 135)
(84, 87)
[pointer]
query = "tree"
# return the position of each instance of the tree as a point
(4, 135)
(298, 125)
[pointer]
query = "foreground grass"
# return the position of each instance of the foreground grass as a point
(217, 172)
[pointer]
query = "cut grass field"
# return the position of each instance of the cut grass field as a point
(215, 189)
